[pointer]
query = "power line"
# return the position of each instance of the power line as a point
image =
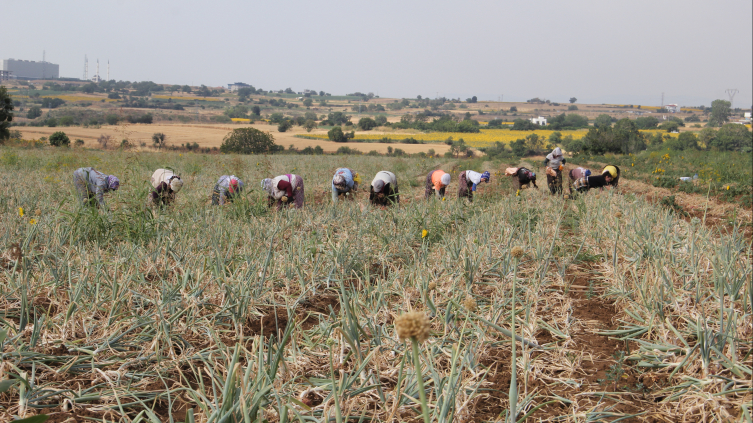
(731, 93)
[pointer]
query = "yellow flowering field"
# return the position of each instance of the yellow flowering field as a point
(240, 120)
(485, 138)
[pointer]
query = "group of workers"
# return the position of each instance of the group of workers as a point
(287, 190)
(581, 179)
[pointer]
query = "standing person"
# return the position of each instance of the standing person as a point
(521, 177)
(436, 181)
(554, 164)
(92, 184)
(577, 173)
(166, 184)
(469, 180)
(283, 190)
(228, 187)
(345, 181)
(587, 182)
(384, 189)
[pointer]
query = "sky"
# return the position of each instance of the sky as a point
(614, 51)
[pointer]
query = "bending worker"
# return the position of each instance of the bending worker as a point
(521, 177)
(228, 187)
(166, 184)
(554, 164)
(284, 190)
(92, 184)
(469, 180)
(436, 181)
(344, 182)
(577, 173)
(587, 182)
(384, 189)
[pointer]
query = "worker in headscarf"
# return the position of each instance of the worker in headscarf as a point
(554, 164)
(436, 181)
(469, 180)
(166, 184)
(284, 190)
(384, 189)
(345, 182)
(91, 185)
(577, 173)
(607, 177)
(521, 177)
(614, 172)
(228, 187)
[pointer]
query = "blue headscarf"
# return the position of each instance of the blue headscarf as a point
(486, 175)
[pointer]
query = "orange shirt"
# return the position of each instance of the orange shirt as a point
(436, 179)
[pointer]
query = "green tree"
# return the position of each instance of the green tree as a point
(603, 121)
(309, 124)
(381, 120)
(34, 112)
(720, 112)
(6, 113)
(573, 100)
(519, 147)
(685, 141)
(174, 88)
(473, 99)
(555, 138)
(285, 125)
(256, 110)
(367, 123)
(59, 139)
(249, 141)
(159, 139)
(572, 107)
(669, 126)
(646, 122)
(186, 89)
(308, 102)
(336, 134)
(706, 137)
(732, 137)
(204, 91)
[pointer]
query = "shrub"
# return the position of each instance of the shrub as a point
(59, 139)
(249, 141)
(336, 134)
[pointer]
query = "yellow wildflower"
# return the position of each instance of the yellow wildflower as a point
(424, 233)
(21, 211)
(33, 221)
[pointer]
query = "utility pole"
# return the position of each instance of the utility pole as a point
(731, 93)
(662, 100)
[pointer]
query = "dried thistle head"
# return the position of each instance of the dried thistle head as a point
(432, 286)
(517, 251)
(15, 252)
(470, 303)
(413, 324)
(37, 212)
(618, 215)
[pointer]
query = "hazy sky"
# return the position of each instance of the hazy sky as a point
(604, 51)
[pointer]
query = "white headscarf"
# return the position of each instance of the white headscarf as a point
(555, 158)
(446, 178)
(266, 185)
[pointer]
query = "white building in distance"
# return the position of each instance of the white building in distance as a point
(237, 86)
(539, 120)
(672, 108)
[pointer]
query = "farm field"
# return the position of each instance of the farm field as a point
(211, 135)
(620, 308)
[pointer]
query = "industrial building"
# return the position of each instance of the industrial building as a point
(29, 69)
(237, 86)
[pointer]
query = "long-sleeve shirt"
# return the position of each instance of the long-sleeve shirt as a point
(161, 175)
(348, 175)
(436, 180)
(96, 183)
(555, 159)
(474, 177)
(282, 186)
(386, 177)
